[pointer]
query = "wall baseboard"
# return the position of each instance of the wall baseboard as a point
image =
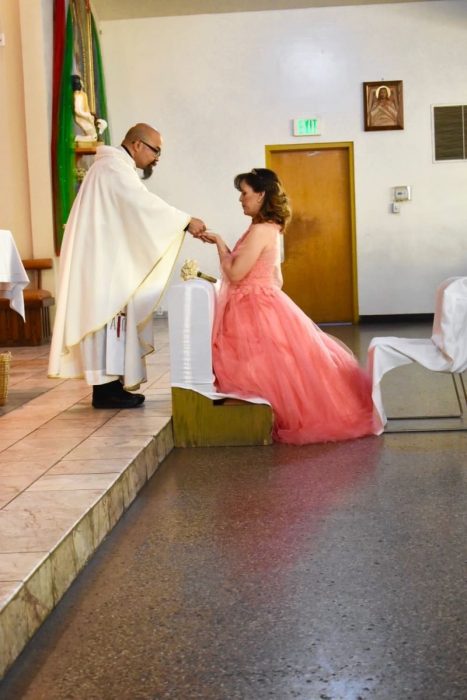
(397, 318)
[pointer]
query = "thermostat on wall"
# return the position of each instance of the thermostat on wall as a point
(402, 193)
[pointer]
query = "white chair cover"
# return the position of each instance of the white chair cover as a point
(445, 351)
(191, 307)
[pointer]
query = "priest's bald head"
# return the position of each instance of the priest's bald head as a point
(144, 144)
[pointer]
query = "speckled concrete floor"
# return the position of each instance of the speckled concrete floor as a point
(320, 572)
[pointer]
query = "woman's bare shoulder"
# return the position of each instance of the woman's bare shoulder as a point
(265, 229)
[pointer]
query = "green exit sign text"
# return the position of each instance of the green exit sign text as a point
(307, 127)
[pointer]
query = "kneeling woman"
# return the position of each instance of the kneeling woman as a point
(264, 345)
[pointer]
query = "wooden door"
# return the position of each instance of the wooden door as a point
(319, 267)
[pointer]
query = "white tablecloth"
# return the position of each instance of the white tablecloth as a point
(191, 314)
(13, 277)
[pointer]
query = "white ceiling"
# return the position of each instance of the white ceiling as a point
(127, 9)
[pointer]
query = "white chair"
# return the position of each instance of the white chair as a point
(445, 351)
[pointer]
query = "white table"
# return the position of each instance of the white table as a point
(13, 277)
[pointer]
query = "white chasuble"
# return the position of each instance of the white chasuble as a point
(121, 242)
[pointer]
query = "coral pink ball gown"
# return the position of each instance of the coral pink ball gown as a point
(264, 345)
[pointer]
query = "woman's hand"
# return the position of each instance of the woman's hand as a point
(210, 237)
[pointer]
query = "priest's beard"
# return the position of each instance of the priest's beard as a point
(147, 172)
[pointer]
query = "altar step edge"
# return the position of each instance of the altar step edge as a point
(33, 601)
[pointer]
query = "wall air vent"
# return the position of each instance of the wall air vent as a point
(450, 132)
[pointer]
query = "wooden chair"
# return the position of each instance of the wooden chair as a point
(36, 330)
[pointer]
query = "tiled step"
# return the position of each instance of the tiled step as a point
(54, 527)
(67, 474)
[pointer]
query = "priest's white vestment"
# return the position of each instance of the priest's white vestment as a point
(120, 244)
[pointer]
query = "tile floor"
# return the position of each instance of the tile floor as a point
(67, 473)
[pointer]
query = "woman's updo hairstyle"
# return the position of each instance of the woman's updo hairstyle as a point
(275, 205)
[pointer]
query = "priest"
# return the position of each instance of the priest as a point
(120, 244)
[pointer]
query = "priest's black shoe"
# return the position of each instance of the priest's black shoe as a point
(117, 388)
(117, 401)
(113, 395)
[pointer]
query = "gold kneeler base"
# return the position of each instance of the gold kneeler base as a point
(202, 422)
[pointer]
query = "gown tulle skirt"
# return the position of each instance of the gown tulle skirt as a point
(264, 345)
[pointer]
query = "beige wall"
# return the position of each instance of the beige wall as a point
(25, 182)
(15, 211)
(36, 81)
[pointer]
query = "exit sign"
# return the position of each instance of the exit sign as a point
(307, 127)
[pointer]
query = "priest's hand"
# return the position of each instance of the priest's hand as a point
(196, 227)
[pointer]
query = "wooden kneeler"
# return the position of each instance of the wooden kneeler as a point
(199, 421)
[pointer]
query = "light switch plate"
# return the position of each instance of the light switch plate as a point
(402, 193)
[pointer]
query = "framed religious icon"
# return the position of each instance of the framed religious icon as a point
(383, 105)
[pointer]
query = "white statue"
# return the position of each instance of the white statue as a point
(90, 125)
